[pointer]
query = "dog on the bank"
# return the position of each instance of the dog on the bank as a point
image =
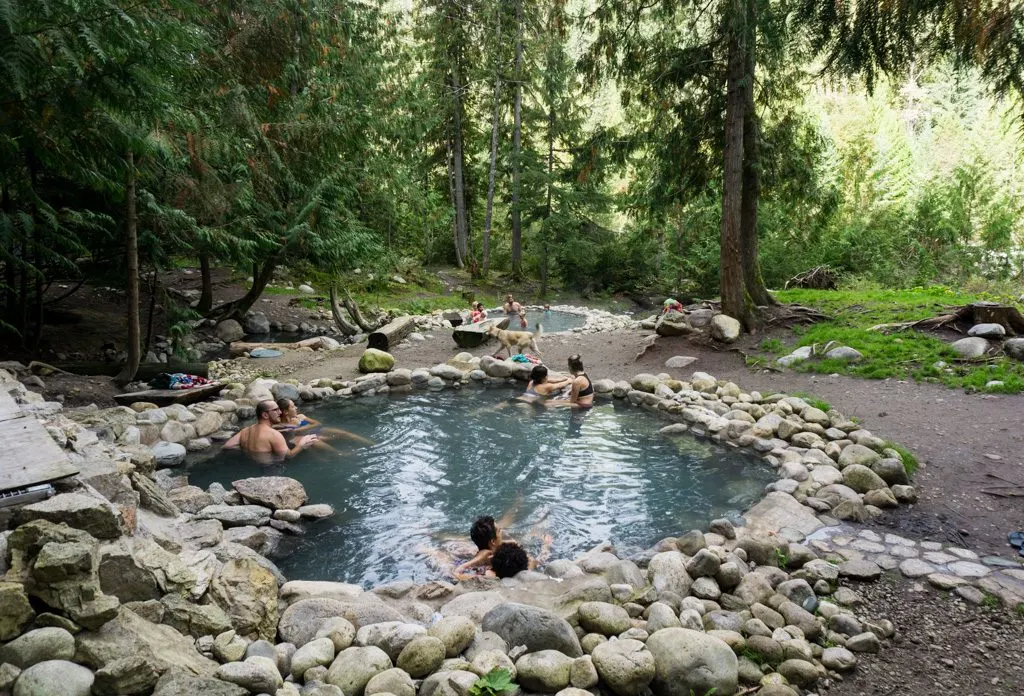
(519, 340)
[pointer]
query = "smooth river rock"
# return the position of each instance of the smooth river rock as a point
(537, 629)
(690, 662)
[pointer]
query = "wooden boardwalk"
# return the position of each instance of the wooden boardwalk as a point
(30, 455)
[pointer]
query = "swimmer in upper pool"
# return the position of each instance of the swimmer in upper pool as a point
(299, 423)
(581, 395)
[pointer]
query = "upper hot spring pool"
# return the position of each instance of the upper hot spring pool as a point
(552, 320)
(442, 459)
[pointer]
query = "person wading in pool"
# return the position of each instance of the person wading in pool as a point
(581, 395)
(262, 442)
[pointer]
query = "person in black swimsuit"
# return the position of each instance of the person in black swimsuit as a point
(581, 395)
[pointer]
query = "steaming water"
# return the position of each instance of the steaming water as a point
(442, 459)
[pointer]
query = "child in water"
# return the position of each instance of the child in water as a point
(495, 555)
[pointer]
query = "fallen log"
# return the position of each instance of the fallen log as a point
(315, 343)
(344, 324)
(387, 336)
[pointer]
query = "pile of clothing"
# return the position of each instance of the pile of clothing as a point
(526, 358)
(178, 380)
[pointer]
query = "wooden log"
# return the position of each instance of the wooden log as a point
(166, 397)
(353, 310)
(390, 334)
(315, 343)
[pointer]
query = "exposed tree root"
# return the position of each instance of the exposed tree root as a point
(961, 319)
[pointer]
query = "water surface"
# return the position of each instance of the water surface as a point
(442, 459)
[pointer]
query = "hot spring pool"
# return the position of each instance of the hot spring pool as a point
(552, 320)
(442, 459)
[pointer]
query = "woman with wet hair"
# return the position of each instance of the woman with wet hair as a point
(581, 393)
(540, 387)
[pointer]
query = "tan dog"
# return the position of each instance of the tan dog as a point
(516, 339)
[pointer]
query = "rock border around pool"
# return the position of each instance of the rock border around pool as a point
(724, 609)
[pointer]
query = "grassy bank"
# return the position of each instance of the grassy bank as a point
(900, 355)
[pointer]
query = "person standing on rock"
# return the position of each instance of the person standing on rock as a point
(262, 442)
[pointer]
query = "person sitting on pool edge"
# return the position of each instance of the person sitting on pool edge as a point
(262, 441)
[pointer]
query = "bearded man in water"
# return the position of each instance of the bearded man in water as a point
(261, 441)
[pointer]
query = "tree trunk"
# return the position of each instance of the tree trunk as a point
(759, 294)
(495, 121)
(152, 310)
(261, 275)
(517, 127)
(131, 365)
(206, 296)
(733, 290)
(547, 203)
(458, 167)
(455, 205)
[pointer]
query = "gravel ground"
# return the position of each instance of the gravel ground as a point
(943, 645)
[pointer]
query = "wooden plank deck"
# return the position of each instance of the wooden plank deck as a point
(166, 397)
(30, 455)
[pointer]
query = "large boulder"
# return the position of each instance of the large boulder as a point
(129, 676)
(236, 515)
(301, 621)
(128, 635)
(667, 572)
(1014, 347)
(690, 662)
(178, 682)
(194, 620)
(537, 629)
(421, 656)
(257, 323)
(374, 360)
(673, 324)
(546, 671)
(390, 636)
(353, 668)
(970, 348)
(626, 666)
(54, 677)
(862, 479)
(724, 328)
(229, 330)
(456, 632)
(167, 454)
(247, 592)
(258, 675)
(40, 645)
(93, 515)
(15, 611)
(137, 569)
(277, 492)
(604, 618)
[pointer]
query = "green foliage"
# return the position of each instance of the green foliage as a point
(771, 345)
(814, 401)
(903, 355)
(496, 682)
(782, 558)
(990, 602)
